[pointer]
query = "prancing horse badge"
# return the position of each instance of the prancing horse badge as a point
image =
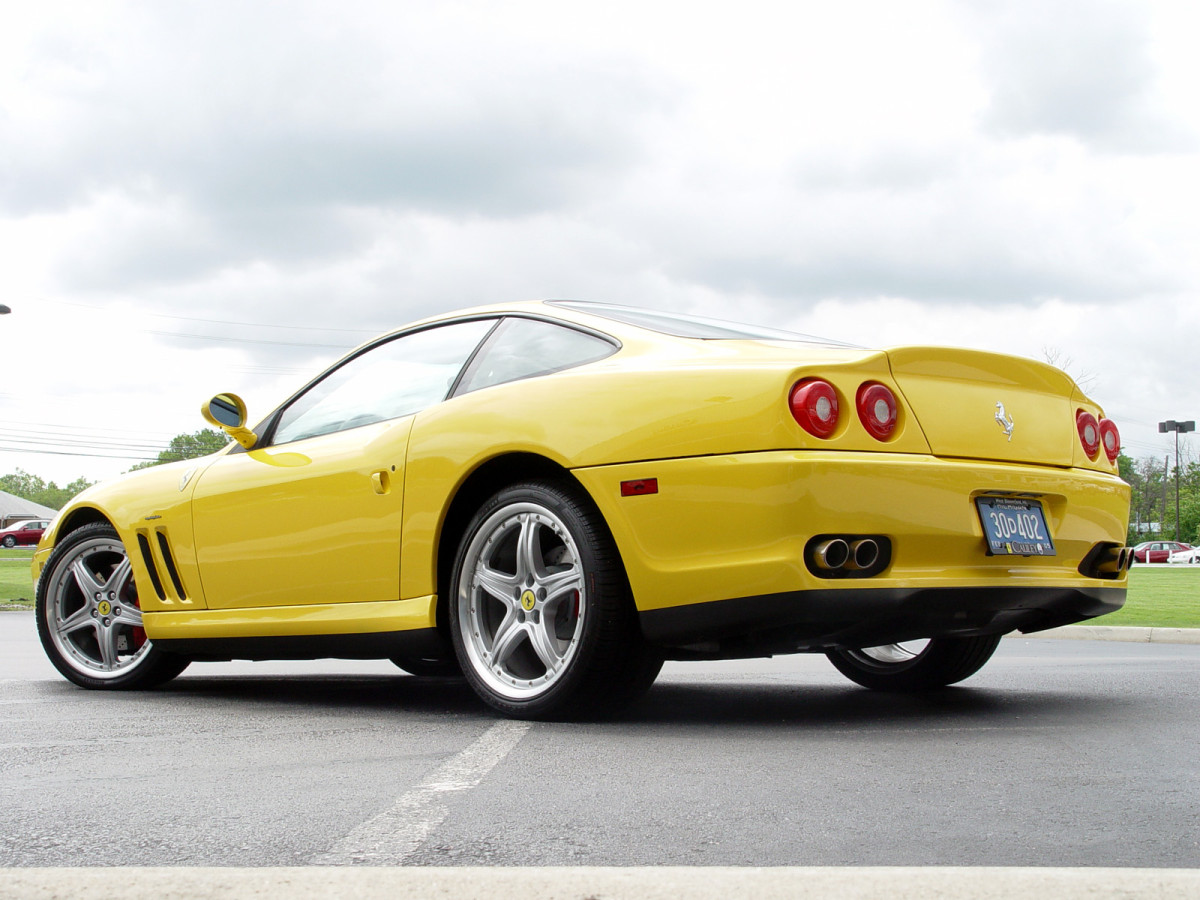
(1004, 420)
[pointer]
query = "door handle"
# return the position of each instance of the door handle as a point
(381, 481)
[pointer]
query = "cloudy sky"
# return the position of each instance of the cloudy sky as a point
(207, 196)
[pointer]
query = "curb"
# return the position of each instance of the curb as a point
(580, 883)
(1116, 633)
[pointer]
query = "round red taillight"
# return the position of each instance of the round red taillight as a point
(1089, 433)
(1110, 438)
(814, 405)
(877, 410)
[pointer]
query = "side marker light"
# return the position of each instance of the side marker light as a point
(638, 487)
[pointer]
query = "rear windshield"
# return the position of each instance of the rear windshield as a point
(680, 325)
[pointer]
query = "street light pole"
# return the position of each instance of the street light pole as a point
(1163, 428)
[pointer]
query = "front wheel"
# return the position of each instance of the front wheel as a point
(10, 541)
(915, 665)
(540, 611)
(89, 619)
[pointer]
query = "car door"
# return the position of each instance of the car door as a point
(313, 514)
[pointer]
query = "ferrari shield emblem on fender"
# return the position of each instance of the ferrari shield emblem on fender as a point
(1004, 421)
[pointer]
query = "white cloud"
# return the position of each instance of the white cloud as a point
(257, 180)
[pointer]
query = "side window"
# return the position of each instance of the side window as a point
(395, 379)
(522, 348)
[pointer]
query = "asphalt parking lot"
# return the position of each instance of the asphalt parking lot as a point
(1071, 755)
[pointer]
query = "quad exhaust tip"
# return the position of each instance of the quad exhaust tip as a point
(847, 556)
(863, 554)
(1106, 560)
(832, 555)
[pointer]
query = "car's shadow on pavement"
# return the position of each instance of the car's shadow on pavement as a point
(397, 693)
(824, 706)
(706, 703)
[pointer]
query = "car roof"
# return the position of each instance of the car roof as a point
(619, 320)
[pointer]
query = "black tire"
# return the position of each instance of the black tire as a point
(10, 541)
(541, 614)
(89, 619)
(907, 668)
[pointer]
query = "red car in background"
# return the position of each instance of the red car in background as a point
(27, 531)
(1157, 551)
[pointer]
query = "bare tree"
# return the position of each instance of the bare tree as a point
(1084, 378)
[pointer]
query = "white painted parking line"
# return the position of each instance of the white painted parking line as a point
(389, 837)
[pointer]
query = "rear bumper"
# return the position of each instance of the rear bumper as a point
(720, 548)
(828, 619)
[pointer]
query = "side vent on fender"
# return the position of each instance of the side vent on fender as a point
(159, 562)
(148, 559)
(171, 569)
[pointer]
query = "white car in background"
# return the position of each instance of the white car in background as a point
(1185, 556)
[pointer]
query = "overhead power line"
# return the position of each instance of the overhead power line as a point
(4, 449)
(234, 340)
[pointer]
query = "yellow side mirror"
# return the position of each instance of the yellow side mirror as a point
(228, 412)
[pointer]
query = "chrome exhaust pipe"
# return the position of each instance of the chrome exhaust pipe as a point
(863, 554)
(831, 554)
(1114, 561)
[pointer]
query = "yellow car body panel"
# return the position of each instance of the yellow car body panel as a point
(742, 406)
(346, 533)
(292, 621)
(146, 507)
(736, 526)
(273, 523)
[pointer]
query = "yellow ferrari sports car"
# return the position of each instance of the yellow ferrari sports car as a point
(549, 499)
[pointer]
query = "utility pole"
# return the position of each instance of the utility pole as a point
(1177, 427)
(1162, 525)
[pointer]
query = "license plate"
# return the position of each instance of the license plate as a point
(1014, 527)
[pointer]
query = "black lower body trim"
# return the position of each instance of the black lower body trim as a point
(421, 642)
(847, 619)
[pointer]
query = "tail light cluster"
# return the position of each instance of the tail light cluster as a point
(814, 404)
(1095, 434)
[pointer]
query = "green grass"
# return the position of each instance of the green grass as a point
(16, 581)
(1159, 596)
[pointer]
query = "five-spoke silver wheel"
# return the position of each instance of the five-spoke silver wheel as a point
(892, 653)
(540, 612)
(522, 600)
(89, 618)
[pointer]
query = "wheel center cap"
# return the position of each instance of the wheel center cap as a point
(104, 608)
(528, 601)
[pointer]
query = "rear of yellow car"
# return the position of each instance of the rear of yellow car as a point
(925, 493)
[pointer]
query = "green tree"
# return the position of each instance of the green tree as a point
(1153, 497)
(33, 488)
(188, 446)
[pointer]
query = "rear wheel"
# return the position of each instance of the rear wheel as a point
(89, 619)
(541, 615)
(915, 665)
